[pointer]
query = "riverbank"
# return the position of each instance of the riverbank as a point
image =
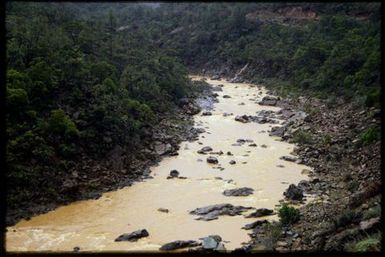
(90, 178)
(324, 134)
(219, 185)
(340, 140)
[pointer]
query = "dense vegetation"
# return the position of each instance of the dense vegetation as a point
(82, 78)
(76, 86)
(336, 51)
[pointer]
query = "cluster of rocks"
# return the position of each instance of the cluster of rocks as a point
(179, 244)
(212, 160)
(209, 243)
(242, 191)
(257, 119)
(346, 174)
(212, 212)
(242, 141)
(133, 237)
(260, 213)
(269, 101)
(294, 193)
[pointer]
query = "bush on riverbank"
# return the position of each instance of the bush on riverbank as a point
(288, 215)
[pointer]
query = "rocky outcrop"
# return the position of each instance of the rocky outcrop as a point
(162, 148)
(257, 119)
(260, 213)
(277, 131)
(289, 158)
(243, 191)
(269, 101)
(132, 237)
(179, 244)
(294, 193)
(213, 242)
(206, 113)
(173, 174)
(212, 160)
(212, 212)
(254, 224)
(205, 150)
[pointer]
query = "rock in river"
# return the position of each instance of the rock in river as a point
(288, 158)
(242, 118)
(206, 113)
(212, 212)
(213, 243)
(204, 150)
(163, 210)
(242, 191)
(178, 244)
(294, 193)
(269, 100)
(134, 236)
(260, 213)
(254, 224)
(162, 148)
(212, 159)
(277, 131)
(173, 174)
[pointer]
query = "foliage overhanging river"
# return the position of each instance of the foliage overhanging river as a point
(93, 225)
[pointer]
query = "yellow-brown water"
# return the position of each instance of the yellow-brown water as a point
(93, 225)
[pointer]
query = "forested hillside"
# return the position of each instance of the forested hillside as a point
(329, 48)
(76, 88)
(84, 80)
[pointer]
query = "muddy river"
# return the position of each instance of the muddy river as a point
(92, 225)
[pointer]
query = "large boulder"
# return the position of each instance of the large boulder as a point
(212, 160)
(370, 224)
(289, 158)
(260, 213)
(162, 148)
(243, 191)
(212, 212)
(298, 117)
(277, 131)
(212, 242)
(269, 100)
(242, 118)
(294, 193)
(206, 113)
(178, 244)
(254, 224)
(173, 174)
(204, 150)
(134, 236)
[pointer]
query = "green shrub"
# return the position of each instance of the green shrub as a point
(60, 123)
(372, 213)
(369, 135)
(302, 137)
(288, 215)
(326, 140)
(17, 98)
(273, 232)
(368, 243)
(373, 98)
(353, 186)
(347, 217)
(67, 150)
